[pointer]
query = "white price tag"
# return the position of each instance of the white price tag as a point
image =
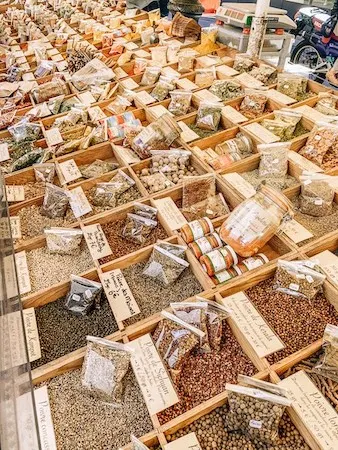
(32, 334)
(23, 272)
(296, 232)
(4, 153)
(96, 241)
(15, 193)
(188, 442)
(79, 202)
(86, 98)
(53, 137)
(70, 170)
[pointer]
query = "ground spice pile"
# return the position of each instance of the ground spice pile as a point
(204, 375)
(297, 322)
(62, 332)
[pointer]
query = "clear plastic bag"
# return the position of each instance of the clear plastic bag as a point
(256, 409)
(273, 160)
(216, 319)
(140, 65)
(122, 182)
(172, 51)
(25, 130)
(44, 172)
(295, 278)
(209, 115)
(63, 241)
(119, 105)
(264, 73)
(174, 249)
(137, 444)
(167, 161)
(175, 340)
(55, 201)
(36, 155)
(292, 85)
(226, 89)
(162, 88)
(138, 228)
(150, 76)
(145, 211)
(253, 104)
(320, 141)
(180, 102)
(159, 54)
(50, 89)
(186, 59)
(105, 365)
(278, 128)
(327, 105)
(197, 189)
(212, 207)
(105, 195)
(316, 197)
(98, 168)
(205, 77)
(243, 63)
(93, 70)
(194, 313)
(328, 364)
(84, 295)
(163, 266)
(156, 182)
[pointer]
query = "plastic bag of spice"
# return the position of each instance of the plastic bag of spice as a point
(212, 207)
(321, 139)
(278, 128)
(105, 195)
(209, 115)
(256, 409)
(163, 266)
(63, 241)
(186, 59)
(175, 340)
(226, 89)
(55, 201)
(156, 182)
(216, 318)
(194, 313)
(104, 367)
(180, 102)
(138, 228)
(205, 76)
(316, 197)
(36, 155)
(98, 168)
(84, 295)
(196, 189)
(122, 182)
(150, 76)
(253, 104)
(273, 160)
(243, 63)
(137, 444)
(295, 278)
(328, 363)
(44, 172)
(327, 105)
(145, 211)
(174, 249)
(264, 73)
(292, 85)
(25, 130)
(162, 88)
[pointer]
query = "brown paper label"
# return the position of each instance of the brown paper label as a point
(144, 97)
(261, 133)
(32, 334)
(279, 97)
(86, 98)
(9, 276)
(186, 84)
(70, 170)
(154, 381)
(120, 297)
(23, 272)
(187, 134)
(129, 83)
(96, 241)
(312, 114)
(15, 193)
(328, 261)
(187, 442)
(314, 410)
(53, 137)
(296, 232)
(226, 71)
(158, 111)
(248, 81)
(204, 94)
(79, 202)
(45, 421)
(256, 330)
(303, 163)
(233, 115)
(170, 213)
(240, 184)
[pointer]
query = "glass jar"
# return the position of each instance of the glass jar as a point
(253, 223)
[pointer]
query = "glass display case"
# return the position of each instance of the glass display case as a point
(18, 420)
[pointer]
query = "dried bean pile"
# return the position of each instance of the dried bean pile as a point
(82, 423)
(121, 246)
(204, 375)
(129, 196)
(318, 226)
(152, 297)
(297, 322)
(62, 332)
(279, 183)
(46, 269)
(327, 387)
(33, 222)
(211, 434)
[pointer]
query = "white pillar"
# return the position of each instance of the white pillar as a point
(258, 27)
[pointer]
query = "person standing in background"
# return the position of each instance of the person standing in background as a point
(149, 5)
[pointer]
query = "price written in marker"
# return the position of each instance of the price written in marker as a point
(15, 193)
(70, 170)
(96, 241)
(79, 202)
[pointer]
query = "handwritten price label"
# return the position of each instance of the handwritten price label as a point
(96, 241)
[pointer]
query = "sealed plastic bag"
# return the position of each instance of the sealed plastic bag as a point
(290, 117)
(216, 319)
(138, 228)
(156, 182)
(174, 249)
(105, 195)
(273, 160)
(44, 173)
(253, 104)
(150, 75)
(320, 141)
(98, 168)
(194, 313)
(119, 105)
(264, 73)
(278, 128)
(145, 210)
(163, 266)
(186, 59)
(55, 201)
(212, 207)
(105, 365)
(328, 364)
(162, 88)
(256, 409)
(226, 89)
(180, 102)
(327, 105)
(205, 77)
(197, 189)
(137, 444)
(175, 340)
(25, 130)
(63, 241)
(209, 115)
(140, 65)
(295, 278)
(292, 85)
(84, 295)
(159, 55)
(316, 197)
(122, 182)
(243, 63)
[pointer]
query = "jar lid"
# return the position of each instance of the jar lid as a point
(277, 197)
